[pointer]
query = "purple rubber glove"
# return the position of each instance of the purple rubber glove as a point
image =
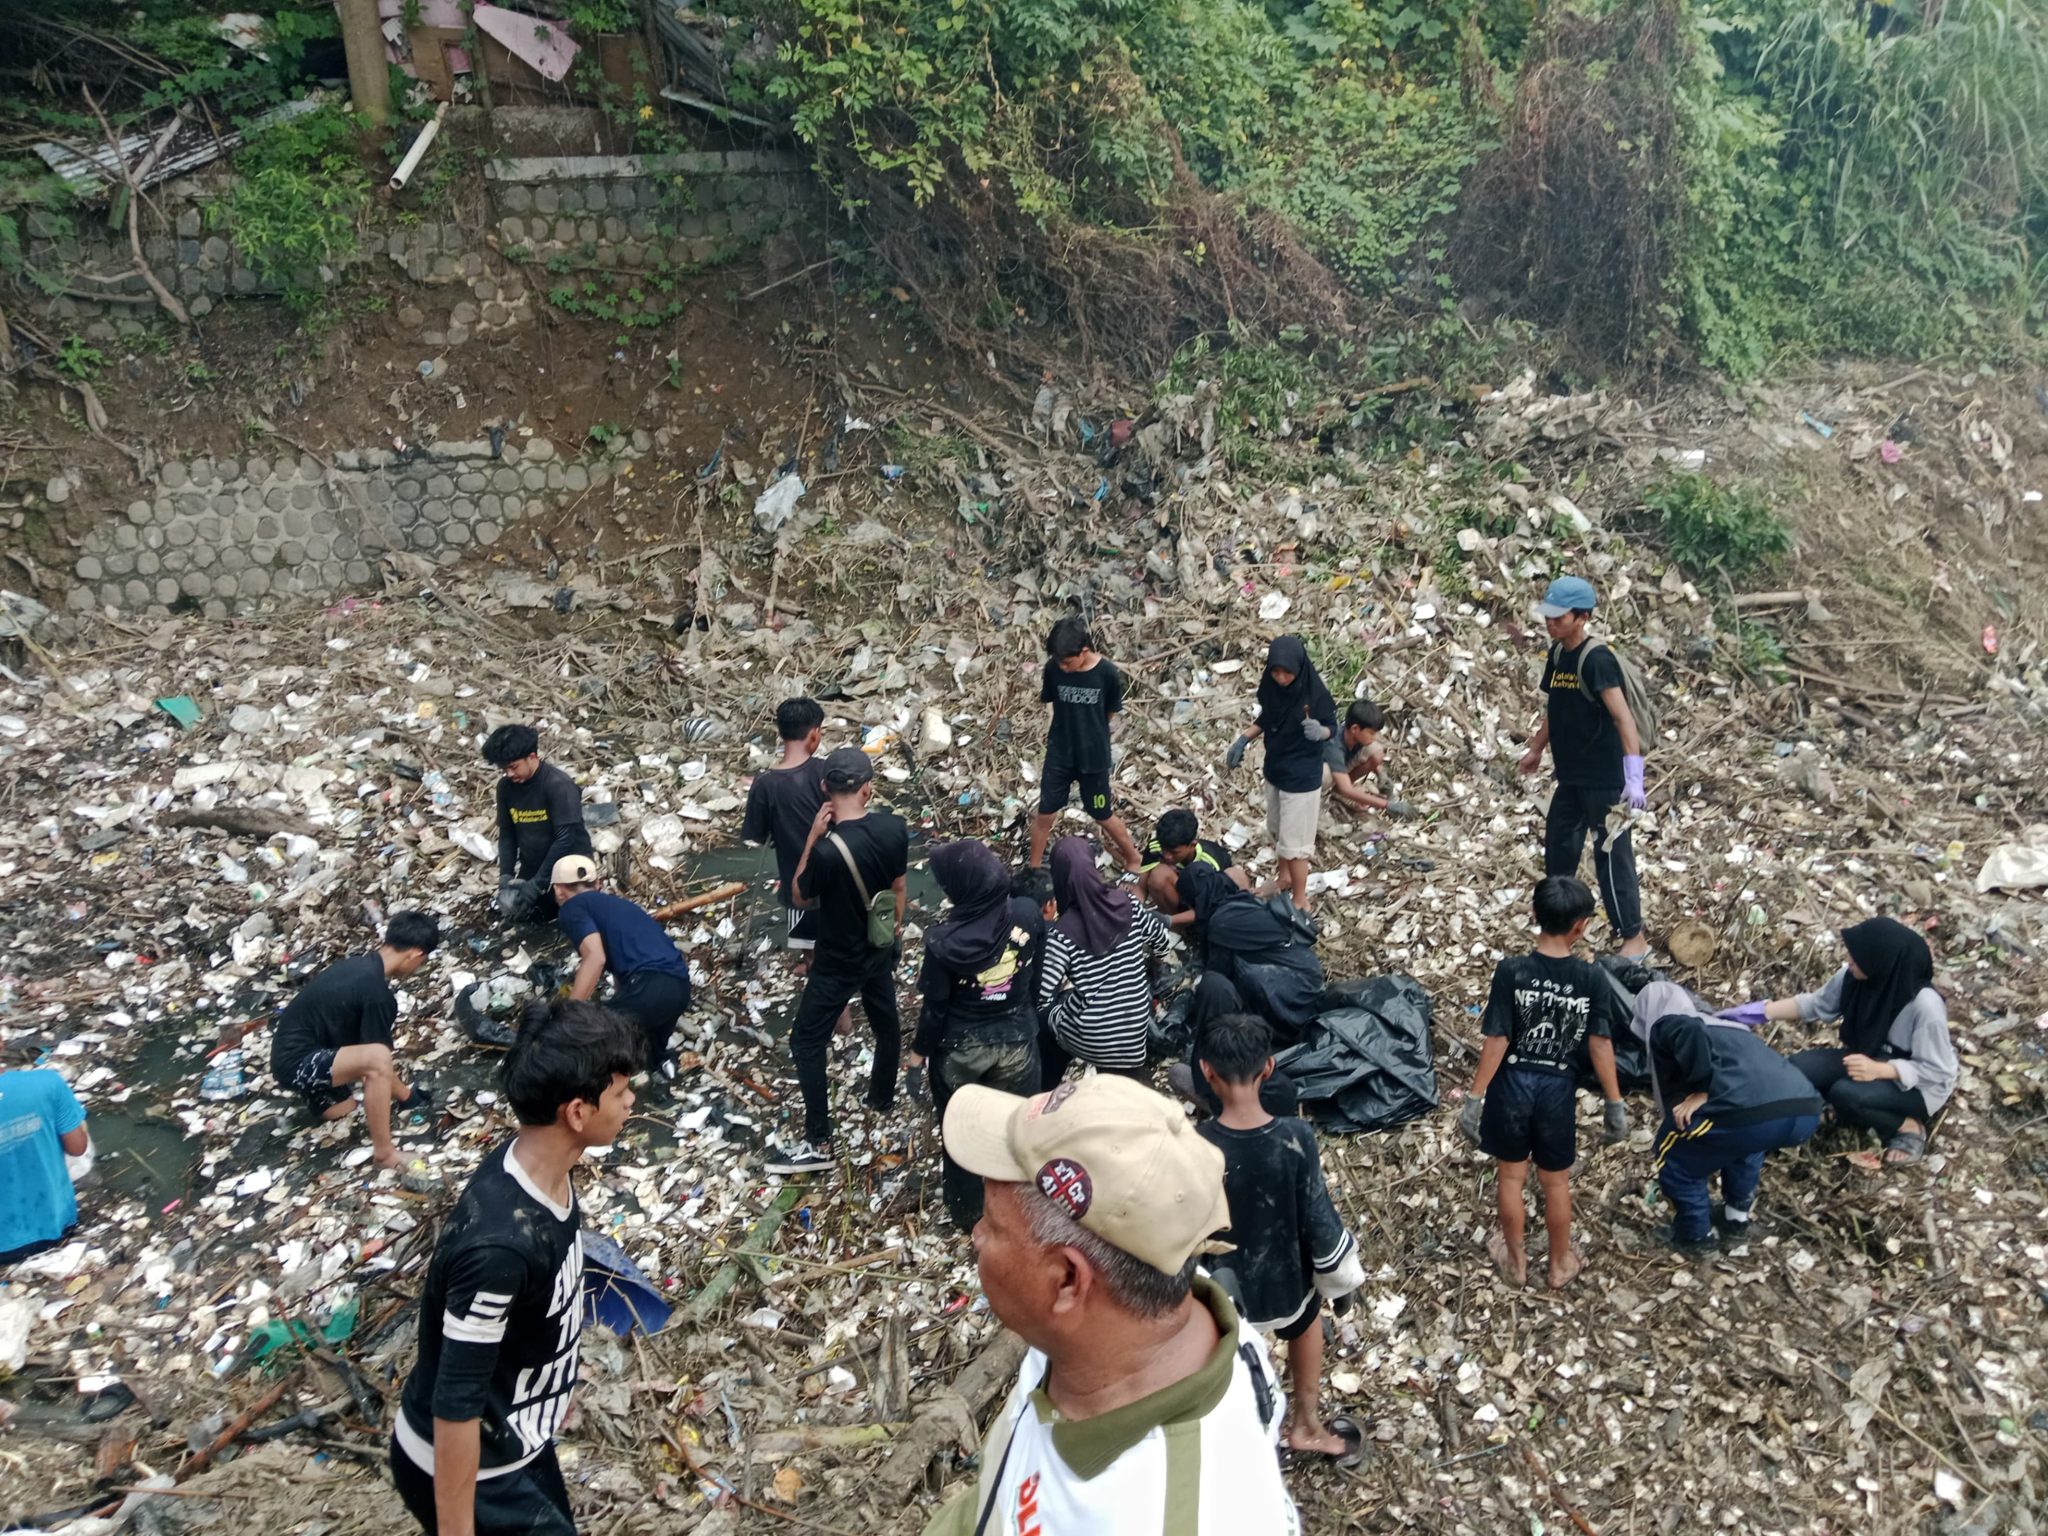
(1632, 783)
(1751, 1014)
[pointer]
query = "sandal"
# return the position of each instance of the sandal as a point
(1909, 1146)
(1345, 1428)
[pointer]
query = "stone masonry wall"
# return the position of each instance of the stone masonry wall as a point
(627, 212)
(636, 211)
(224, 535)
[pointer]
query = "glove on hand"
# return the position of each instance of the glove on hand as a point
(1632, 783)
(1468, 1118)
(1400, 810)
(1751, 1014)
(1315, 730)
(1235, 755)
(1614, 1122)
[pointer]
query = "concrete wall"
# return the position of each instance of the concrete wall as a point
(225, 535)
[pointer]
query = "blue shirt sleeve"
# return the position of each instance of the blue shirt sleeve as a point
(65, 1113)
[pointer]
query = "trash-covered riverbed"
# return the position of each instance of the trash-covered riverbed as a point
(202, 814)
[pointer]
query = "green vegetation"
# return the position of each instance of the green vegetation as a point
(1711, 528)
(301, 188)
(77, 359)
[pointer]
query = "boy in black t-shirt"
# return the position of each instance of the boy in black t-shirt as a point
(1523, 1102)
(337, 1032)
(540, 823)
(1593, 744)
(473, 1445)
(1291, 1252)
(851, 857)
(783, 801)
(1086, 694)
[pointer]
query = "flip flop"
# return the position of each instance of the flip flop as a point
(1345, 1428)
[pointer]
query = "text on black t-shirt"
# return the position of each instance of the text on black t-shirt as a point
(538, 822)
(1585, 743)
(1082, 703)
(1544, 1005)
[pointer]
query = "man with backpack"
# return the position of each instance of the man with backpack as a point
(851, 873)
(1594, 735)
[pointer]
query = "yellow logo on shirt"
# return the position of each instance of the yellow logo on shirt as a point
(523, 818)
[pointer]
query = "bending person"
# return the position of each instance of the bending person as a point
(978, 1025)
(1897, 1064)
(1264, 955)
(1296, 716)
(1095, 989)
(1724, 1100)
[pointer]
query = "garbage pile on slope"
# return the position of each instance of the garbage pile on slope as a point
(205, 814)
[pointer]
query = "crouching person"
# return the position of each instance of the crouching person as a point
(473, 1448)
(1143, 1404)
(337, 1032)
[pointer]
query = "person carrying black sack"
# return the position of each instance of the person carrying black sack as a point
(540, 823)
(979, 1024)
(853, 864)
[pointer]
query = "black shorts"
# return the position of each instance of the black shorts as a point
(1311, 1317)
(1531, 1114)
(1056, 786)
(530, 1502)
(313, 1080)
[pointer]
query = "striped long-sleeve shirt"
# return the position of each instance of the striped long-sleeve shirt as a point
(1100, 1006)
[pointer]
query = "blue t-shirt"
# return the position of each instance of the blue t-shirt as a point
(633, 941)
(36, 1201)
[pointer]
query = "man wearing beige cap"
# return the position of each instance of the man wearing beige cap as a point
(1143, 1405)
(650, 977)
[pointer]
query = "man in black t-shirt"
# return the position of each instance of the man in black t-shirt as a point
(1598, 755)
(783, 802)
(1086, 694)
(540, 822)
(337, 1032)
(473, 1445)
(853, 861)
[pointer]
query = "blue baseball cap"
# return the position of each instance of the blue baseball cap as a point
(1566, 594)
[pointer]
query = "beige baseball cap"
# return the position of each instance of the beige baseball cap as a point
(1120, 1159)
(574, 869)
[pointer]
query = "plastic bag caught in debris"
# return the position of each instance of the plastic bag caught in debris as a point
(1367, 1066)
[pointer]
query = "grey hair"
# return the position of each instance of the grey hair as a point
(1132, 1284)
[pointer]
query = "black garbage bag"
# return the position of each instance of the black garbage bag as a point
(1366, 1064)
(1173, 1028)
(1282, 987)
(1631, 1059)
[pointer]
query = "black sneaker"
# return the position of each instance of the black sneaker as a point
(1669, 1237)
(798, 1157)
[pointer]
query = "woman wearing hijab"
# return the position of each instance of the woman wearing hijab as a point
(1275, 969)
(978, 1023)
(1095, 990)
(1216, 998)
(1897, 1064)
(1725, 1101)
(1296, 717)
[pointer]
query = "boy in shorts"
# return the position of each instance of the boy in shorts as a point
(1292, 1252)
(337, 1032)
(1524, 1105)
(1086, 694)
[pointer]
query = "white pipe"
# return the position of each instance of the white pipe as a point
(413, 156)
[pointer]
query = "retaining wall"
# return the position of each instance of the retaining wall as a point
(225, 535)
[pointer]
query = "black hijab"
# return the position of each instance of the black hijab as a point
(974, 933)
(1897, 965)
(1094, 916)
(1282, 709)
(1202, 889)
(1215, 997)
